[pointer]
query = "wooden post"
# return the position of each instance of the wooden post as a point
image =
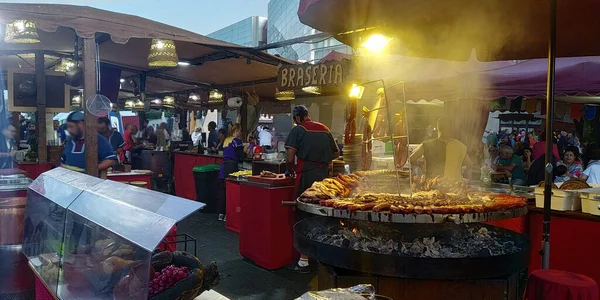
(40, 79)
(89, 89)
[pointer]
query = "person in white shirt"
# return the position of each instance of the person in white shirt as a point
(592, 172)
(197, 136)
(265, 138)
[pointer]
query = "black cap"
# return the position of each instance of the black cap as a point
(299, 109)
(75, 117)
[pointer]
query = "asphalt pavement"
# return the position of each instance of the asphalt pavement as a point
(240, 277)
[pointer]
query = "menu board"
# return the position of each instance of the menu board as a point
(22, 91)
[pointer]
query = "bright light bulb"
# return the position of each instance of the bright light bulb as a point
(183, 63)
(122, 80)
(160, 44)
(356, 91)
(20, 26)
(376, 43)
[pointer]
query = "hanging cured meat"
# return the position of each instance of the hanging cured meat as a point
(400, 141)
(350, 130)
(367, 147)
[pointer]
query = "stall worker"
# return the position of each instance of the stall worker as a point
(114, 137)
(197, 136)
(312, 145)
(444, 156)
(73, 156)
(129, 138)
(265, 138)
(60, 132)
(233, 153)
(7, 146)
(213, 137)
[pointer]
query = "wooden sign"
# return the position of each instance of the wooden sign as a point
(331, 73)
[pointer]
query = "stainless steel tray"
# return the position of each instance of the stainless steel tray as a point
(410, 218)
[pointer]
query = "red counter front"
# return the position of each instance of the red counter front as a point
(266, 233)
(35, 169)
(182, 171)
(233, 206)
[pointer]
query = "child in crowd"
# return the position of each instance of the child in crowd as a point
(562, 174)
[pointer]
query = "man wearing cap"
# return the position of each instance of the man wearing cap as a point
(313, 147)
(73, 155)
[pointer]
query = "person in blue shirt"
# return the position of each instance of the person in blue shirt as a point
(114, 137)
(60, 132)
(73, 155)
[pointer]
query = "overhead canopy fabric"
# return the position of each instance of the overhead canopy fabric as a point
(498, 29)
(429, 79)
(125, 41)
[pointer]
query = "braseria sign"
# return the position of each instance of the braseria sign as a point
(330, 73)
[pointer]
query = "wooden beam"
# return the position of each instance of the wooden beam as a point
(40, 79)
(89, 89)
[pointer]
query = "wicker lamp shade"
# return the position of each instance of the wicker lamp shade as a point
(168, 101)
(316, 90)
(162, 54)
(21, 32)
(65, 65)
(156, 103)
(285, 95)
(215, 96)
(76, 101)
(129, 105)
(138, 105)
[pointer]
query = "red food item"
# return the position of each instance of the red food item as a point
(167, 278)
(350, 131)
(367, 155)
(382, 207)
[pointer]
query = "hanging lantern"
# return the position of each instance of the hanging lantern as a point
(156, 103)
(312, 90)
(129, 105)
(66, 64)
(285, 95)
(215, 96)
(21, 32)
(194, 98)
(162, 54)
(76, 101)
(168, 101)
(138, 105)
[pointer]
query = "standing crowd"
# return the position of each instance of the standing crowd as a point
(520, 157)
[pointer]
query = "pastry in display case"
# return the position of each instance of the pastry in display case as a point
(86, 236)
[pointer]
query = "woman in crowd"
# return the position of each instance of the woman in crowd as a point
(233, 153)
(512, 165)
(572, 161)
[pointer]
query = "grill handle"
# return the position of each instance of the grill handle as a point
(288, 203)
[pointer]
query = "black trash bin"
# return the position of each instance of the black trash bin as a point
(206, 178)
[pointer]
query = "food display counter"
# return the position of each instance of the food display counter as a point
(182, 171)
(88, 238)
(34, 169)
(17, 280)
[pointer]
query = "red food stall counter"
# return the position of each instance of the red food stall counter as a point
(266, 227)
(574, 241)
(128, 177)
(182, 171)
(233, 207)
(34, 169)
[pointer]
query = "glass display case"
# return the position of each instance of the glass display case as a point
(88, 238)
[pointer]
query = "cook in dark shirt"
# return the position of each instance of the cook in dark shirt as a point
(312, 144)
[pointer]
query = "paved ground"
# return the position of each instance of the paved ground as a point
(240, 278)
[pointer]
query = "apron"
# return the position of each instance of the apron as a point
(307, 172)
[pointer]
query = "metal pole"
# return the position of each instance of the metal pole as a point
(549, 137)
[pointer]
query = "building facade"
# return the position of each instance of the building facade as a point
(284, 24)
(248, 32)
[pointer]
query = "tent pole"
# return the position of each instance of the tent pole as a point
(549, 136)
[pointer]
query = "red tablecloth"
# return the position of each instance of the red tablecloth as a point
(266, 232)
(233, 207)
(560, 285)
(182, 172)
